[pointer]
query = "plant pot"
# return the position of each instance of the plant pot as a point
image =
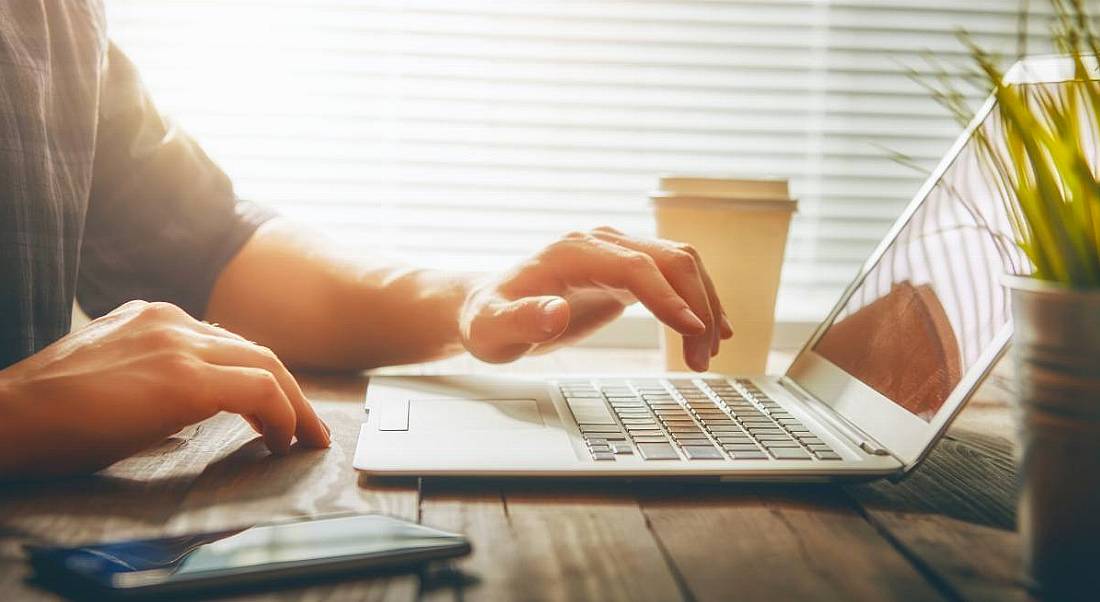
(1057, 356)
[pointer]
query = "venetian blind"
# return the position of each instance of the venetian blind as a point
(467, 133)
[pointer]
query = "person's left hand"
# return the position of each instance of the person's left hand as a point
(583, 281)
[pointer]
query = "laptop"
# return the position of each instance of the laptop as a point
(870, 393)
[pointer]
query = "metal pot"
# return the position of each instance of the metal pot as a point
(1057, 357)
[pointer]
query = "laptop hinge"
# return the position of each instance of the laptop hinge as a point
(842, 424)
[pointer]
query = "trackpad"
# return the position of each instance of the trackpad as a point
(473, 414)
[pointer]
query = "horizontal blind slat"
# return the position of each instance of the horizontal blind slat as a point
(463, 134)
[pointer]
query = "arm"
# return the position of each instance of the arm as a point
(289, 291)
(293, 292)
(162, 220)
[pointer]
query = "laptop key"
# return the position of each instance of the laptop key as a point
(685, 438)
(711, 414)
(748, 455)
(603, 455)
(758, 418)
(599, 428)
(657, 451)
(736, 440)
(658, 438)
(633, 413)
(827, 455)
(702, 452)
(724, 428)
(771, 444)
(773, 438)
(742, 446)
(786, 453)
(764, 431)
(590, 411)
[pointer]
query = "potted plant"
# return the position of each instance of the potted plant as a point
(1044, 156)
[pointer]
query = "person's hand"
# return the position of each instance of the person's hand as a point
(583, 281)
(134, 377)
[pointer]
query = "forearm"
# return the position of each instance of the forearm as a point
(12, 426)
(292, 292)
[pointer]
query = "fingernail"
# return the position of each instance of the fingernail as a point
(690, 319)
(549, 322)
(328, 432)
(726, 324)
(700, 357)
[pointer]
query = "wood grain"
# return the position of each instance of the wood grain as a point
(550, 540)
(780, 542)
(954, 517)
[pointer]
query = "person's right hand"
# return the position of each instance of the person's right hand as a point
(133, 377)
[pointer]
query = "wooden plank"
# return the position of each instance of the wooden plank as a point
(777, 542)
(549, 541)
(955, 517)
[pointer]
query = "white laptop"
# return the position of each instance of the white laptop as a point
(869, 394)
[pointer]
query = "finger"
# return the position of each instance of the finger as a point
(300, 399)
(219, 331)
(128, 306)
(255, 424)
(233, 352)
(682, 270)
(506, 330)
(589, 260)
(254, 392)
(725, 329)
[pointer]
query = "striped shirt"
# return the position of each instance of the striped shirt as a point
(101, 198)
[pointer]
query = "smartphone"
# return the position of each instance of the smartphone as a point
(243, 558)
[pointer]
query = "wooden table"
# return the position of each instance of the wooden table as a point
(946, 533)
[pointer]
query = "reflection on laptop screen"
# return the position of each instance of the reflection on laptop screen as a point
(934, 301)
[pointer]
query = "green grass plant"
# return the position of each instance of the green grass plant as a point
(1042, 152)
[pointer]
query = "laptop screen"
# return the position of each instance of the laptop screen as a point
(934, 300)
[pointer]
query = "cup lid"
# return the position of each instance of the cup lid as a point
(670, 201)
(718, 186)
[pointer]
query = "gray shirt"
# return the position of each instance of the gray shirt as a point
(101, 198)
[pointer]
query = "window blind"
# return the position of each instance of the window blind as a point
(466, 134)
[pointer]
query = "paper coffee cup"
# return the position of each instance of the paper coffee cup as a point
(739, 226)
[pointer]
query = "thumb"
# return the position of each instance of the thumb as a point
(508, 330)
(540, 319)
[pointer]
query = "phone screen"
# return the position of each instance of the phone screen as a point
(261, 548)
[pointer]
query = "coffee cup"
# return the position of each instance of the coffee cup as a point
(739, 227)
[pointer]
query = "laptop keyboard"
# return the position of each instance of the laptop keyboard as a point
(709, 419)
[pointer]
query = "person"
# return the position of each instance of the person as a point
(202, 299)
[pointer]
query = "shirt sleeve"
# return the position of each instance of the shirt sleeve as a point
(162, 219)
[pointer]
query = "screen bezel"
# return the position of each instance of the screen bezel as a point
(905, 435)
